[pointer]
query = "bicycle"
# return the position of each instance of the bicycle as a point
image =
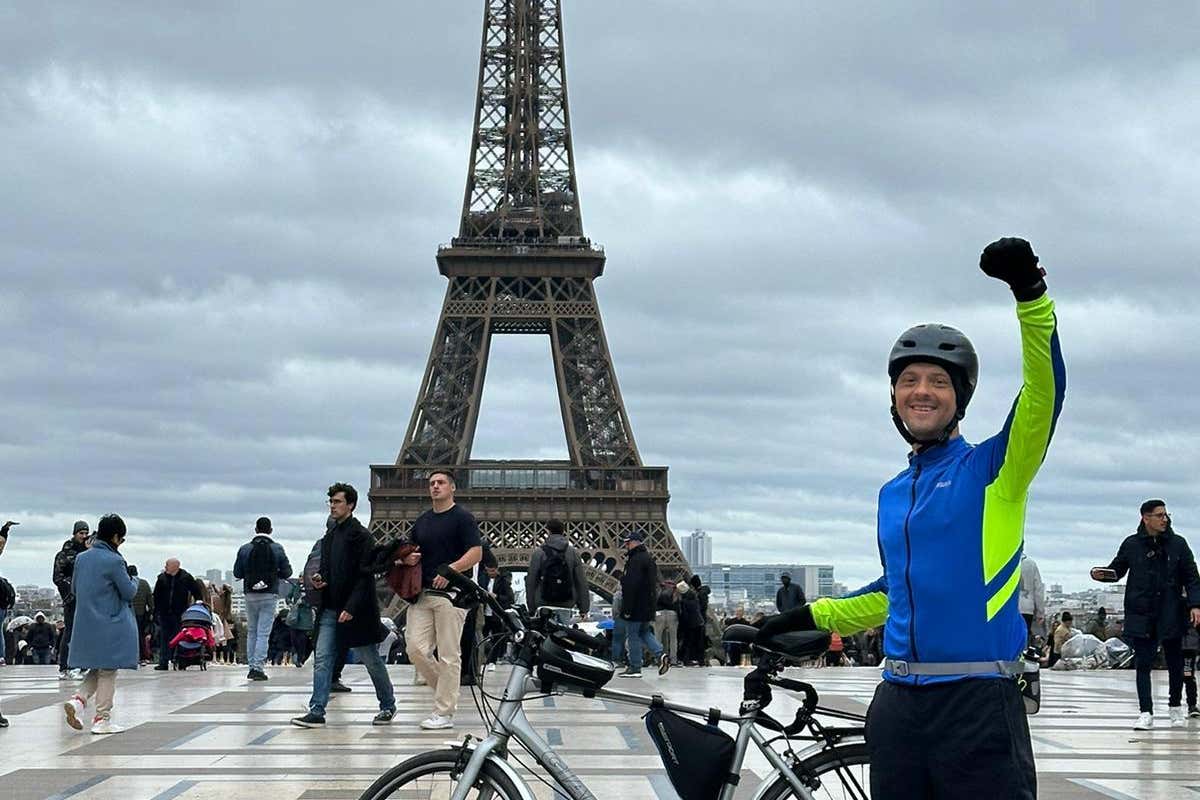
(835, 765)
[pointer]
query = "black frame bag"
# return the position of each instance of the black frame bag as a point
(697, 756)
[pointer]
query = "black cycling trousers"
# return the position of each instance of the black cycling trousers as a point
(1144, 651)
(965, 740)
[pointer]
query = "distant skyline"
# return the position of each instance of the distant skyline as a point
(219, 231)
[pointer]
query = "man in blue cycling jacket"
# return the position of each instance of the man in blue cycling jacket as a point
(948, 719)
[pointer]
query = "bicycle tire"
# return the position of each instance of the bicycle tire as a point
(840, 771)
(497, 785)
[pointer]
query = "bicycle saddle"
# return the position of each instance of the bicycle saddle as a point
(793, 644)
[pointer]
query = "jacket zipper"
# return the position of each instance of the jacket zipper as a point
(912, 604)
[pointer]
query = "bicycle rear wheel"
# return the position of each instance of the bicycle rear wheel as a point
(428, 777)
(843, 772)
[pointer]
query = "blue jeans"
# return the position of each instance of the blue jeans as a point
(326, 654)
(639, 634)
(260, 615)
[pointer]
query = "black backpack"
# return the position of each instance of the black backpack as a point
(8, 595)
(262, 576)
(556, 577)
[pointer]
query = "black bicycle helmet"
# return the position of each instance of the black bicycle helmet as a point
(950, 349)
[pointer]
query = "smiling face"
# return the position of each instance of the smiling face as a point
(925, 399)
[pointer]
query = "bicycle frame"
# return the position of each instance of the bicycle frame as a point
(511, 722)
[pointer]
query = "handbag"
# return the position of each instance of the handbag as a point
(404, 579)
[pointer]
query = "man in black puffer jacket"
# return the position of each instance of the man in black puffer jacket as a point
(1163, 593)
(64, 568)
(639, 591)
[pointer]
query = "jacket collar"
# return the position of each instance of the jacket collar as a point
(953, 448)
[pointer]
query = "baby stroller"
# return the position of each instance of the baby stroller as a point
(194, 644)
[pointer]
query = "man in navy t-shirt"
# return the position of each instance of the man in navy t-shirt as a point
(446, 535)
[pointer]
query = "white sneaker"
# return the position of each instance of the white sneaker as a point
(101, 725)
(74, 710)
(1145, 721)
(1178, 717)
(78, 674)
(437, 722)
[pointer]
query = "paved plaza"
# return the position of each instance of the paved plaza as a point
(212, 734)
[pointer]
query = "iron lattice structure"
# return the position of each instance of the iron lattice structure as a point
(521, 265)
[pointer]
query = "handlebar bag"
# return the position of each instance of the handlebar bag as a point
(697, 756)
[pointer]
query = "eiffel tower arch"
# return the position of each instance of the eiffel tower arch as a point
(521, 265)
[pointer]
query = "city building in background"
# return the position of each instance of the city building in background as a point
(697, 549)
(754, 584)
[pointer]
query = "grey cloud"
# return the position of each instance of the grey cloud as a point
(218, 229)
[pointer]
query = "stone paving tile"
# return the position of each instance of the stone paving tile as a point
(212, 734)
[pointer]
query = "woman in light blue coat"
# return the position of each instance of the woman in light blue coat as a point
(104, 638)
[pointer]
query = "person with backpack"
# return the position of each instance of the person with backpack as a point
(261, 564)
(556, 575)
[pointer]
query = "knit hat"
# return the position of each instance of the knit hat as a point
(80, 525)
(682, 586)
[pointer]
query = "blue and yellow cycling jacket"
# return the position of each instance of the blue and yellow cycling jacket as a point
(951, 529)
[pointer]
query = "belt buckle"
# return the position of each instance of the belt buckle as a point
(899, 668)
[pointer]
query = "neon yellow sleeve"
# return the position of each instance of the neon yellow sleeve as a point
(847, 615)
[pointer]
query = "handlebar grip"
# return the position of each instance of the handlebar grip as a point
(458, 580)
(576, 636)
(810, 694)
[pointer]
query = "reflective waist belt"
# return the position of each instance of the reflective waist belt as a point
(903, 669)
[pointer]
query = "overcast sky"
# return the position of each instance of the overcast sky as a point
(218, 229)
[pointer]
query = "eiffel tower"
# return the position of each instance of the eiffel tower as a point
(521, 265)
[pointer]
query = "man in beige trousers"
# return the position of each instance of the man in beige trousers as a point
(446, 535)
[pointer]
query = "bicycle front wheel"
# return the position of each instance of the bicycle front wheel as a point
(428, 777)
(842, 772)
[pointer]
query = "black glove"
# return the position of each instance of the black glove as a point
(798, 619)
(1012, 261)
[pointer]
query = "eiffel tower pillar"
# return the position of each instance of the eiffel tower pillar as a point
(522, 266)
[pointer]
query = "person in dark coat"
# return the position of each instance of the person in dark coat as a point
(279, 641)
(1163, 593)
(143, 612)
(105, 636)
(639, 596)
(789, 595)
(64, 565)
(348, 609)
(691, 626)
(40, 638)
(174, 591)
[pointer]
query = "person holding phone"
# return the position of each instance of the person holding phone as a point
(1163, 593)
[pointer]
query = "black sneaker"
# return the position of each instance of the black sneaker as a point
(629, 673)
(384, 717)
(257, 675)
(664, 664)
(338, 686)
(309, 720)
(1193, 711)
(162, 667)
(3, 721)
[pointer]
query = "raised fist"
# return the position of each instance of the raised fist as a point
(1012, 260)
